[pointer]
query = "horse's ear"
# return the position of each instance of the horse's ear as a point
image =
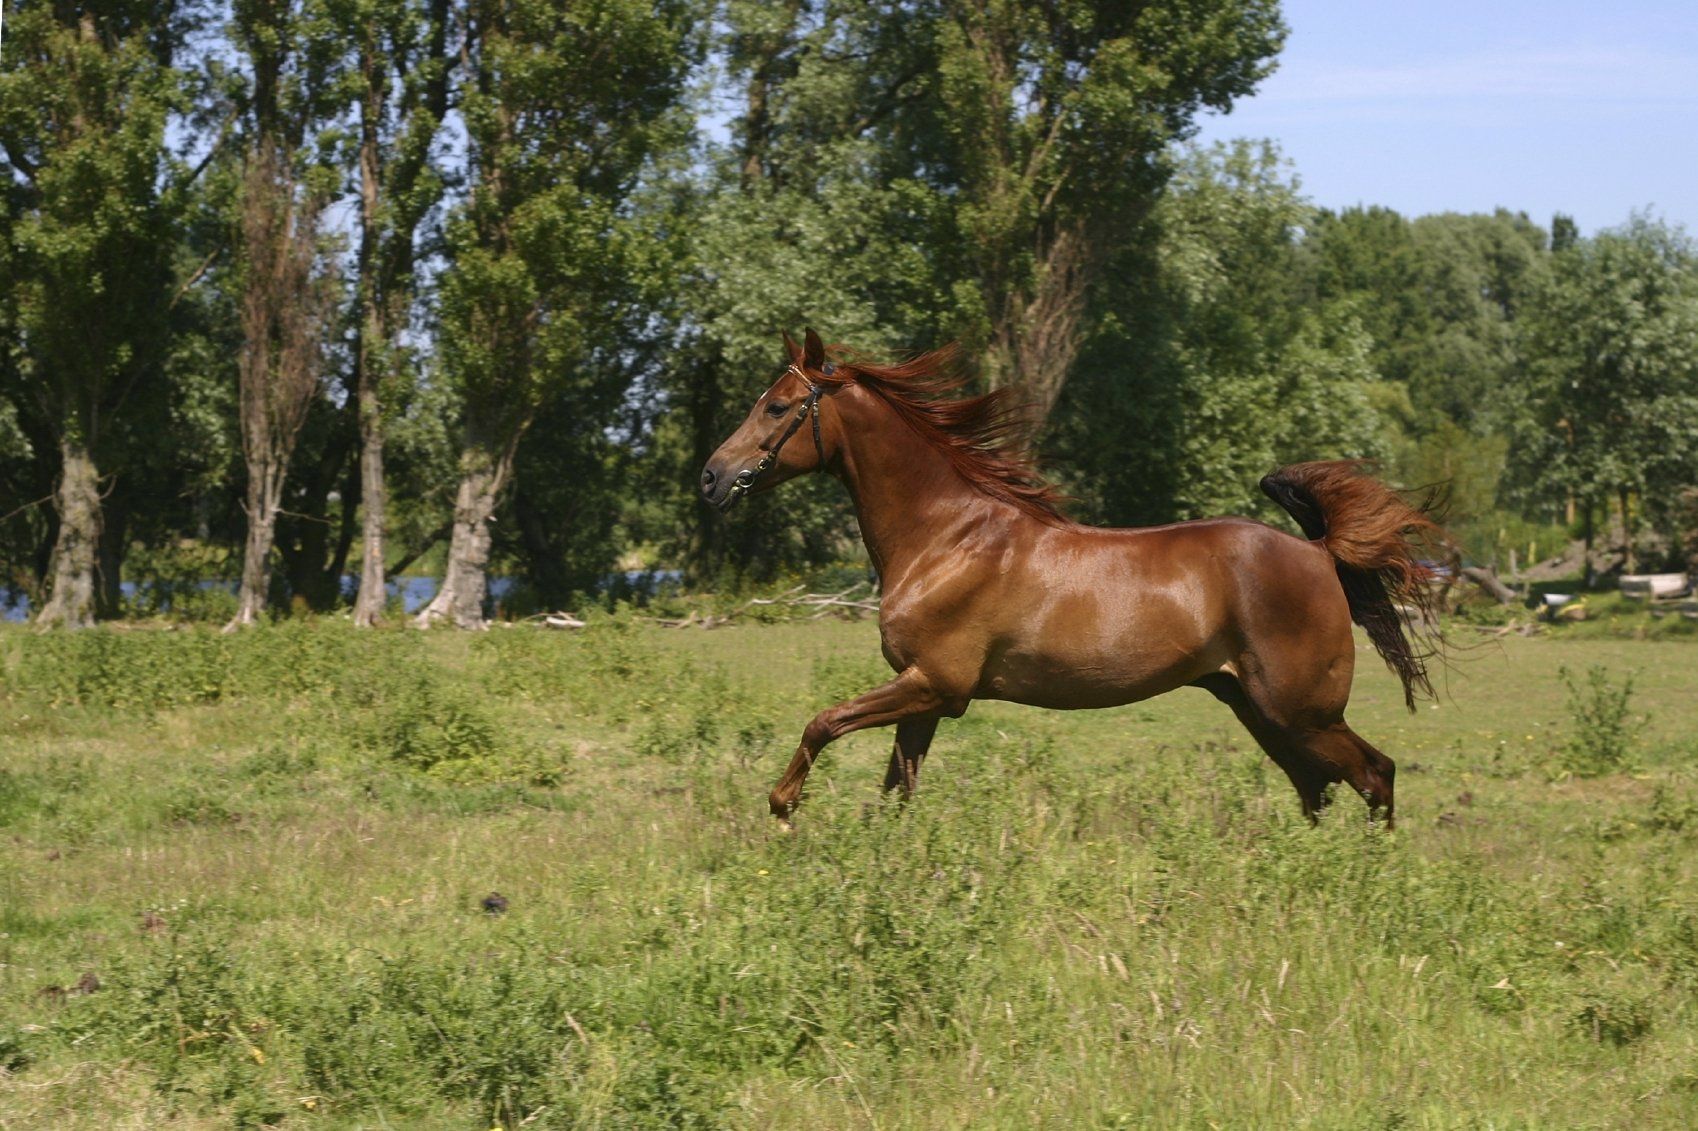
(813, 350)
(790, 346)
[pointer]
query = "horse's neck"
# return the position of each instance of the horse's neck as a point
(907, 495)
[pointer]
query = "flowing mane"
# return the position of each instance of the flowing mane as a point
(980, 435)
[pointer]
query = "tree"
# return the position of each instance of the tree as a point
(401, 80)
(902, 175)
(562, 106)
(1438, 296)
(285, 298)
(1610, 345)
(1208, 369)
(1050, 127)
(83, 107)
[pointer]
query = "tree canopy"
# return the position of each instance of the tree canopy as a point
(471, 288)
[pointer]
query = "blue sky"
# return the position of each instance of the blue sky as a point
(1584, 108)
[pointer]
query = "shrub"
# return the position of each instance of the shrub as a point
(1602, 733)
(148, 671)
(1613, 1017)
(434, 726)
(1670, 813)
(13, 1056)
(125, 670)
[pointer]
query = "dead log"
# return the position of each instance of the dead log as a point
(1489, 584)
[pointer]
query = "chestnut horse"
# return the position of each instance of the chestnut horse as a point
(990, 593)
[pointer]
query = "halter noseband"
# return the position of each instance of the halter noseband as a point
(810, 408)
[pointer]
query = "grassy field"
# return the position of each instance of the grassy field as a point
(242, 882)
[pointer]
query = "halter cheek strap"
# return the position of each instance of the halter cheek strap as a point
(745, 480)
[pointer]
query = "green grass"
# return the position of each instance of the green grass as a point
(270, 850)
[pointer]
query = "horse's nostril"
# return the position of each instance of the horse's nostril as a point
(708, 480)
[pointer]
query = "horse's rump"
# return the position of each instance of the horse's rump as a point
(1374, 536)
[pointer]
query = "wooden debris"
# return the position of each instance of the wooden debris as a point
(1517, 628)
(1489, 584)
(852, 603)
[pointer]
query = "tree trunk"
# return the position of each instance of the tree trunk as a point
(338, 567)
(705, 551)
(1689, 531)
(71, 600)
(1629, 561)
(1586, 569)
(312, 547)
(283, 314)
(1489, 584)
(1037, 339)
(465, 583)
(369, 604)
(265, 495)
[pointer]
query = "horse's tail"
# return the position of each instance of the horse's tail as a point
(1373, 534)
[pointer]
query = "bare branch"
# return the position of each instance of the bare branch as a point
(200, 272)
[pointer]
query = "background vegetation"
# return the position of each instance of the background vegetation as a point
(244, 880)
(297, 296)
(308, 291)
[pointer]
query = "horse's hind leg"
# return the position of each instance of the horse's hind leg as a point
(1370, 773)
(1309, 774)
(1313, 753)
(913, 739)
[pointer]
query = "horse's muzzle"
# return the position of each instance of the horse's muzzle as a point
(720, 494)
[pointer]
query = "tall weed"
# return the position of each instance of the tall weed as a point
(1602, 731)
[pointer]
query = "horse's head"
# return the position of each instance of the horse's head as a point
(780, 438)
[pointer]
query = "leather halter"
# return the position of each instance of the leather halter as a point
(745, 480)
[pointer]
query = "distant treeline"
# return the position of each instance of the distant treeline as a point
(298, 289)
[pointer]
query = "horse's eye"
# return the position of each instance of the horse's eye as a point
(777, 408)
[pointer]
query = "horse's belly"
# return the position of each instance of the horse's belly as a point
(1069, 682)
(1096, 642)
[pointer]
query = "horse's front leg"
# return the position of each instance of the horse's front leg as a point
(910, 695)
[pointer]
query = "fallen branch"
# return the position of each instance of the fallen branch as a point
(850, 602)
(1489, 583)
(825, 604)
(555, 620)
(1518, 628)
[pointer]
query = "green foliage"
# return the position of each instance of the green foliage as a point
(1670, 812)
(121, 670)
(840, 678)
(1078, 918)
(427, 727)
(14, 1057)
(85, 94)
(1603, 733)
(150, 671)
(1207, 373)
(1611, 344)
(607, 283)
(1617, 1018)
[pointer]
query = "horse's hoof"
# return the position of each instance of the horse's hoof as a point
(785, 824)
